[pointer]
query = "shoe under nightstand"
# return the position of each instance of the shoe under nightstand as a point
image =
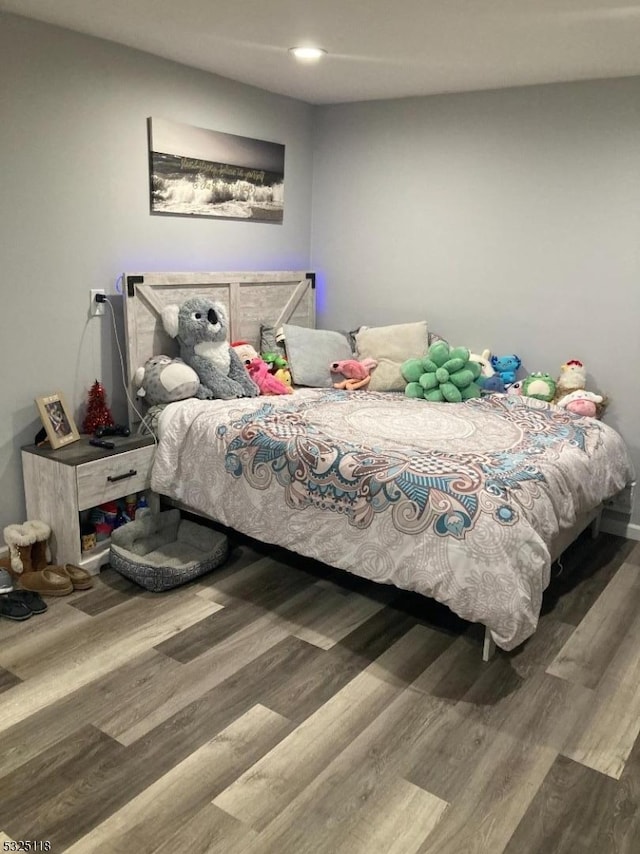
(60, 484)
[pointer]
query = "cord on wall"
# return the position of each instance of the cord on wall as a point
(143, 420)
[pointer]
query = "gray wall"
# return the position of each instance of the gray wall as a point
(508, 219)
(74, 209)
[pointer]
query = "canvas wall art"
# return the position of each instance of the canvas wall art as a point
(199, 172)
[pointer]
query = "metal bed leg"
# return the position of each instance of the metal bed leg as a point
(595, 525)
(488, 646)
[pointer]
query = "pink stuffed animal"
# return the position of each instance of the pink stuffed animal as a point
(357, 374)
(581, 402)
(266, 382)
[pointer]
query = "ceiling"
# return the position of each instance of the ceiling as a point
(376, 48)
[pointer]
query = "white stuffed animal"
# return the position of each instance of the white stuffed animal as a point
(484, 360)
(164, 380)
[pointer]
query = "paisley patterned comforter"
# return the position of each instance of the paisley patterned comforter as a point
(459, 502)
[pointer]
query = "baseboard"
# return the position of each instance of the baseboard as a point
(630, 530)
(4, 552)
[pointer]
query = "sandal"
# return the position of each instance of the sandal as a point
(12, 610)
(33, 601)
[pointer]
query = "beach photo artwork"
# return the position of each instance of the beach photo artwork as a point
(199, 172)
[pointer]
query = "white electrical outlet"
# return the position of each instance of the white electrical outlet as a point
(96, 308)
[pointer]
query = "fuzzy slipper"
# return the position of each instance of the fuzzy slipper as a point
(12, 610)
(33, 601)
(46, 582)
(79, 577)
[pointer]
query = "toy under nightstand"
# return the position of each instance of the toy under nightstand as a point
(60, 484)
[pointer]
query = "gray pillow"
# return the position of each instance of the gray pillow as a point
(310, 352)
(269, 342)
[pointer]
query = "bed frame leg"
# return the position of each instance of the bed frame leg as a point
(595, 525)
(488, 646)
(153, 500)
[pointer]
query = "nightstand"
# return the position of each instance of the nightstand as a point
(60, 484)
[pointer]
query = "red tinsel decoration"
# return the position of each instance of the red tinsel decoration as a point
(98, 413)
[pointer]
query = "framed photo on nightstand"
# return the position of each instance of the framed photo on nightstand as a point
(56, 418)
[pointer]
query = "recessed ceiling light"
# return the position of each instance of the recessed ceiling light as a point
(307, 54)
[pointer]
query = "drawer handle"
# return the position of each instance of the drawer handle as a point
(130, 473)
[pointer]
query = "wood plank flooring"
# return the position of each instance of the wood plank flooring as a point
(278, 705)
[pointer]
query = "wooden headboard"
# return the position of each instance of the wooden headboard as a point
(252, 300)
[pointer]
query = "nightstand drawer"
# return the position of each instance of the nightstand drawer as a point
(114, 476)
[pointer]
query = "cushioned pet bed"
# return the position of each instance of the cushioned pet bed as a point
(459, 502)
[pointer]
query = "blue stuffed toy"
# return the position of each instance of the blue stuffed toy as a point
(506, 367)
(491, 385)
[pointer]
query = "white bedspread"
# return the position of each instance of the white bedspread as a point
(459, 502)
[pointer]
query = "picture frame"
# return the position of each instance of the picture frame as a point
(57, 420)
(199, 172)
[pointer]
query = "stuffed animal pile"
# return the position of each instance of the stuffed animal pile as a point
(259, 370)
(444, 374)
(568, 391)
(266, 381)
(210, 367)
(456, 374)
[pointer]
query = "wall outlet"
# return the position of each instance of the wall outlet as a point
(96, 308)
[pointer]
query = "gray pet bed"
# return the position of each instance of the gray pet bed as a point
(160, 551)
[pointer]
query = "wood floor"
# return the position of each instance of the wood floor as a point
(280, 706)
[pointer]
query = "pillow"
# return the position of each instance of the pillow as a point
(391, 346)
(269, 342)
(311, 351)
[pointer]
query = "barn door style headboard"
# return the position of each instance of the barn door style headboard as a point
(252, 300)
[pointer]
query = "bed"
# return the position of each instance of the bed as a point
(465, 503)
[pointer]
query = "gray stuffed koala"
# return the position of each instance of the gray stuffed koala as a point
(201, 327)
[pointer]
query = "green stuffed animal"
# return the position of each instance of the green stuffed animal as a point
(443, 375)
(539, 385)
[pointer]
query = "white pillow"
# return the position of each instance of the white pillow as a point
(391, 346)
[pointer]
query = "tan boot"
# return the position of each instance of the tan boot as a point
(44, 579)
(20, 539)
(40, 555)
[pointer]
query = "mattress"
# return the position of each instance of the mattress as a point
(459, 502)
